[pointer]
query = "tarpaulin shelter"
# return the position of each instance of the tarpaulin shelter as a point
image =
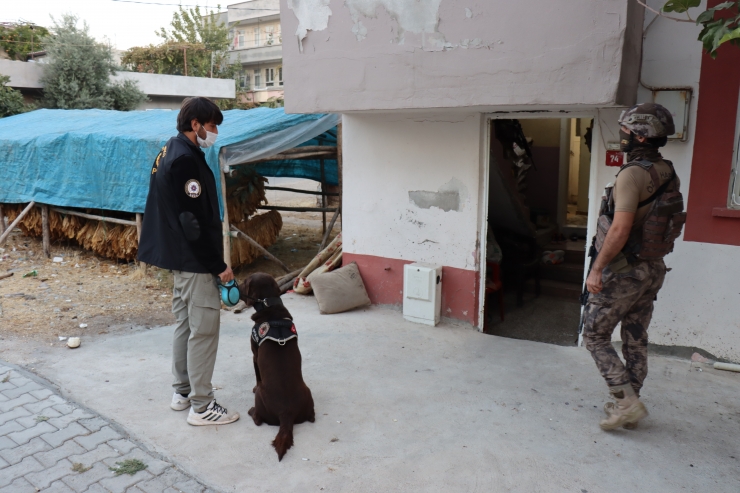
(102, 159)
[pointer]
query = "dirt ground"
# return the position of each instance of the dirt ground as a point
(85, 295)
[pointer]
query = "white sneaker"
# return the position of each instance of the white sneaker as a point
(179, 403)
(213, 415)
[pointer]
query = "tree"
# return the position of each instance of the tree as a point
(79, 69)
(195, 45)
(720, 24)
(11, 101)
(21, 39)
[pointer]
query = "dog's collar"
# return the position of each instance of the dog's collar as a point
(261, 304)
(280, 331)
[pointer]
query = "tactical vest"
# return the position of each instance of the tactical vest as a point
(280, 331)
(655, 238)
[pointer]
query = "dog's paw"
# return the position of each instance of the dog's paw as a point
(257, 420)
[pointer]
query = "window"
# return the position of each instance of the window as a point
(257, 78)
(280, 75)
(269, 77)
(269, 31)
(244, 81)
(239, 39)
(256, 36)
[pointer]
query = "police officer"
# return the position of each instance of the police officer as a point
(622, 285)
(182, 232)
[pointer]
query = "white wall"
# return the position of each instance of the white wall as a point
(26, 75)
(350, 55)
(698, 304)
(385, 157)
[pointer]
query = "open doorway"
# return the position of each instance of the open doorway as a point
(538, 203)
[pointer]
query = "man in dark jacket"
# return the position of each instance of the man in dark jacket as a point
(182, 232)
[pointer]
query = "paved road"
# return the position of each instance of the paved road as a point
(42, 435)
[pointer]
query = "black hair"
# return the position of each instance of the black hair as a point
(202, 109)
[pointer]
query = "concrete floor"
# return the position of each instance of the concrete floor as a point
(416, 408)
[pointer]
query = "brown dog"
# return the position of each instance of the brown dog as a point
(280, 396)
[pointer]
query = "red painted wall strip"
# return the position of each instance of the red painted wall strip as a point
(714, 142)
(383, 278)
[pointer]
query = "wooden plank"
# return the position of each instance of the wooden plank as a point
(283, 279)
(46, 230)
(284, 157)
(296, 209)
(259, 247)
(17, 220)
(323, 197)
(328, 231)
(297, 190)
(96, 218)
(139, 223)
(2, 220)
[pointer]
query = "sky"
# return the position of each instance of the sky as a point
(125, 24)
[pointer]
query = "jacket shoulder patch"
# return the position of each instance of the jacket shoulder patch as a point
(193, 189)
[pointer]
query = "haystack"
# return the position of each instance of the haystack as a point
(117, 241)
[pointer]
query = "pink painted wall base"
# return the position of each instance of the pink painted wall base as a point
(383, 278)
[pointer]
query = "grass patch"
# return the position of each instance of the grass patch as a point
(129, 466)
(77, 467)
(39, 419)
(7, 378)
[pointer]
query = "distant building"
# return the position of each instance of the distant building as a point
(256, 44)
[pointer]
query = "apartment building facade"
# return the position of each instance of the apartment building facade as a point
(256, 44)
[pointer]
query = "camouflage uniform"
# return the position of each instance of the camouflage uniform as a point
(626, 297)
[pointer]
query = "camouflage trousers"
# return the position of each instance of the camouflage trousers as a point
(626, 297)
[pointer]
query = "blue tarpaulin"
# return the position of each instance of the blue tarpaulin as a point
(102, 159)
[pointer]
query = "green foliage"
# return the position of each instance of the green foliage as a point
(125, 96)
(194, 46)
(129, 466)
(20, 40)
(11, 103)
(79, 69)
(680, 6)
(720, 24)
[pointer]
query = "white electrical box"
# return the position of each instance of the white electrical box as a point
(422, 293)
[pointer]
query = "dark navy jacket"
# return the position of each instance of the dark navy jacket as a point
(182, 224)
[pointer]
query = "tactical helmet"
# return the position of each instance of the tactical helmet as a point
(648, 120)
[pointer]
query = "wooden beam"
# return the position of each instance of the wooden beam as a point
(94, 217)
(139, 223)
(46, 230)
(259, 247)
(17, 220)
(283, 279)
(328, 231)
(297, 190)
(295, 209)
(284, 157)
(2, 220)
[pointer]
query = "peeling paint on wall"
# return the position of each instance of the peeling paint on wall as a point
(450, 197)
(312, 15)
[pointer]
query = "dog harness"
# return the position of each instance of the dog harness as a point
(280, 331)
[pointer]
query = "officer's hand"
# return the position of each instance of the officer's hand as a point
(227, 275)
(593, 282)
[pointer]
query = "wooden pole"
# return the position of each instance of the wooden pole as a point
(295, 209)
(339, 162)
(46, 230)
(17, 220)
(287, 277)
(139, 222)
(2, 220)
(96, 218)
(260, 248)
(225, 228)
(6, 275)
(331, 226)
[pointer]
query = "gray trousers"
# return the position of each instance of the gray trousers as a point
(197, 306)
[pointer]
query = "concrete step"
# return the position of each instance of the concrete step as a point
(566, 272)
(573, 254)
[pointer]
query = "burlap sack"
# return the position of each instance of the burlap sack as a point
(340, 290)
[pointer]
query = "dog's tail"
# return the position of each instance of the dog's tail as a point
(284, 439)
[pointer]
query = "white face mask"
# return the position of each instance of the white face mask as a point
(208, 141)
